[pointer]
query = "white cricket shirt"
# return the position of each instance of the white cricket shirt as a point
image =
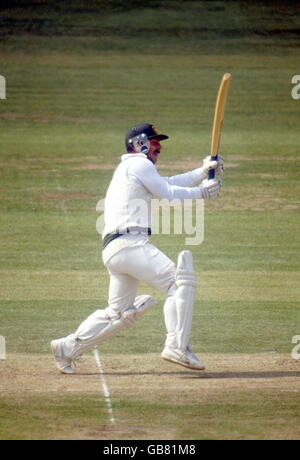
(128, 200)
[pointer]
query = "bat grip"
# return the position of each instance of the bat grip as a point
(211, 173)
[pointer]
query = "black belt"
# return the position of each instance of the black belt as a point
(112, 236)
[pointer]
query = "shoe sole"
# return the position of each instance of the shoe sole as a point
(174, 361)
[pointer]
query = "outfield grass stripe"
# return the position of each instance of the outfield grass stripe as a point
(212, 285)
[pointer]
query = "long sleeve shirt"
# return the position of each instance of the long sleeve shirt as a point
(135, 183)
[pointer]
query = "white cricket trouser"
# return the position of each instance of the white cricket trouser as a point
(127, 268)
(142, 263)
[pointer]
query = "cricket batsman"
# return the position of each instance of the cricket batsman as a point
(130, 258)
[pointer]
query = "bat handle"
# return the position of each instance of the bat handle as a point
(211, 173)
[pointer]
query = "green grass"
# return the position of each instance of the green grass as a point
(77, 78)
(45, 417)
(42, 417)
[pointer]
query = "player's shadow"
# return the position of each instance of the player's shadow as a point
(243, 375)
(207, 375)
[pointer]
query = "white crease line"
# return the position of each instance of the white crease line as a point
(104, 386)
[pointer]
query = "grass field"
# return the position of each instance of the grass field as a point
(77, 78)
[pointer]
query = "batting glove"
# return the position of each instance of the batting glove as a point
(210, 188)
(217, 165)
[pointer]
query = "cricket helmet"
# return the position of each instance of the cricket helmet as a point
(142, 128)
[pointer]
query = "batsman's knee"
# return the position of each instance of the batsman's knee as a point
(172, 289)
(184, 273)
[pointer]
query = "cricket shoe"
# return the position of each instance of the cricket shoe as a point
(184, 358)
(62, 362)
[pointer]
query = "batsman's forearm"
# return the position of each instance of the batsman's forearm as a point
(174, 192)
(161, 188)
(188, 179)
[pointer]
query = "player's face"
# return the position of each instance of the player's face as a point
(154, 150)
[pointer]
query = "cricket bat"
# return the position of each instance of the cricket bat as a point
(218, 120)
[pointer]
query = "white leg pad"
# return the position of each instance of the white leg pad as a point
(102, 324)
(184, 297)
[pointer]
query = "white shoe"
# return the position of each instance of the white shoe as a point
(62, 362)
(184, 358)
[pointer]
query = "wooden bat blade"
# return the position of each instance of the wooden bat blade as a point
(218, 119)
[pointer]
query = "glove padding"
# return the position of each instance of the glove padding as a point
(218, 165)
(210, 188)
